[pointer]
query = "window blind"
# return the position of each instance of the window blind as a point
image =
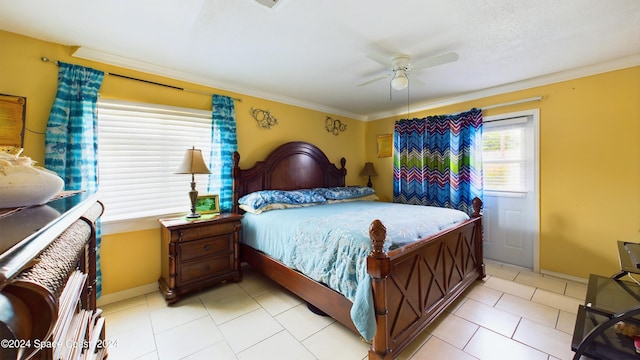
(139, 148)
(503, 156)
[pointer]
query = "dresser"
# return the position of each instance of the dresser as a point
(48, 280)
(198, 253)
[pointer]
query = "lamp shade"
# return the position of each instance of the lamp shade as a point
(193, 163)
(368, 170)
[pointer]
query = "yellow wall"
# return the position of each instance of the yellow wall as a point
(587, 127)
(133, 259)
(589, 166)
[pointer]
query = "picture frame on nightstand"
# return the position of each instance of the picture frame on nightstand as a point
(208, 204)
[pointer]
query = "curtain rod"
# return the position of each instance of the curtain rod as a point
(535, 98)
(46, 59)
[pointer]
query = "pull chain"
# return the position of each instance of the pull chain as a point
(408, 95)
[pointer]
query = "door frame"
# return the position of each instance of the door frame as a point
(535, 116)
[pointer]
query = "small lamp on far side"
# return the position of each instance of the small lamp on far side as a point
(369, 171)
(193, 163)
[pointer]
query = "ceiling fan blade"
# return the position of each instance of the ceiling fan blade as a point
(385, 60)
(436, 60)
(373, 80)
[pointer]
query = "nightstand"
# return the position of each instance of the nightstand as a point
(198, 253)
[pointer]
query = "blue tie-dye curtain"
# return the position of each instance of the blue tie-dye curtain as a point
(223, 143)
(438, 160)
(71, 141)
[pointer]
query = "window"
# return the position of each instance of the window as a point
(503, 155)
(140, 145)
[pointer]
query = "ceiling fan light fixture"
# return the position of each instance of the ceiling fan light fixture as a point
(400, 80)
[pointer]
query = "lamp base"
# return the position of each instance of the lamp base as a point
(193, 216)
(193, 196)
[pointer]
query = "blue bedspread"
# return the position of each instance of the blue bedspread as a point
(330, 243)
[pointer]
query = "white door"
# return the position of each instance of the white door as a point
(510, 167)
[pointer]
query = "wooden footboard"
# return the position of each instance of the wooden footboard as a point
(412, 285)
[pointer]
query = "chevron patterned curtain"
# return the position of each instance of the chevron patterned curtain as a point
(438, 160)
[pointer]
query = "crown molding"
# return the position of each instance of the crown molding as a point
(572, 74)
(128, 63)
(103, 57)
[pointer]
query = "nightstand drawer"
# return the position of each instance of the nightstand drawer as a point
(205, 231)
(207, 247)
(204, 268)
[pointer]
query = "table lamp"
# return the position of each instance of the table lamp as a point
(369, 171)
(193, 163)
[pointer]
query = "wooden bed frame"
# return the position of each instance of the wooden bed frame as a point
(411, 285)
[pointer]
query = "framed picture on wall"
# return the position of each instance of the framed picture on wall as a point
(208, 204)
(385, 145)
(12, 120)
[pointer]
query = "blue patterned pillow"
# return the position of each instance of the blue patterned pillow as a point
(347, 192)
(260, 199)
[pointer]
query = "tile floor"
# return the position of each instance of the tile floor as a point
(513, 314)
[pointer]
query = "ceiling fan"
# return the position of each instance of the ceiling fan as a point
(401, 65)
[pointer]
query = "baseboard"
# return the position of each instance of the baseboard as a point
(127, 294)
(564, 276)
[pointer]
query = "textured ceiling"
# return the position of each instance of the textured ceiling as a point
(314, 53)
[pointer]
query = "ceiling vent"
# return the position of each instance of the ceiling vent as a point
(268, 3)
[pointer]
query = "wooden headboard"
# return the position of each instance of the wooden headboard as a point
(294, 165)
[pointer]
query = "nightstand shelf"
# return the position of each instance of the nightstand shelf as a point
(198, 253)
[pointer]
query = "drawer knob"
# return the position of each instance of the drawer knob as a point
(207, 247)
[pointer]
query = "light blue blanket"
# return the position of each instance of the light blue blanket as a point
(330, 243)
